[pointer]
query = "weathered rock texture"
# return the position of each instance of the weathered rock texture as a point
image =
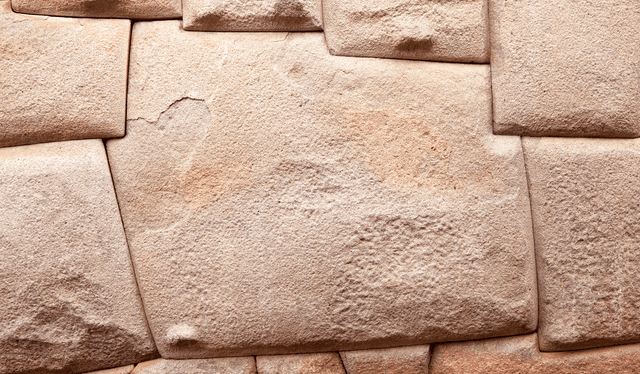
(452, 30)
(286, 200)
(61, 78)
(402, 360)
(314, 363)
(136, 9)
(520, 355)
(68, 297)
(587, 234)
(566, 67)
(121, 370)
(252, 15)
(228, 365)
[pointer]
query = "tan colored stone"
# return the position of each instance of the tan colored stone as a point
(289, 201)
(566, 67)
(227, 365)
(68, 296)
(436, 30)
(520, 355)
(252, 15)
(401, 360)
(313, 363)
(587, 234)
(136, 9)
(121, 370)
(62, 78)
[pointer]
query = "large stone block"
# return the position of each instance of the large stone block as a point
(252, 15)
(135, 9)
(436, 30)
(566, 67)
(520, 355)
(227, 365)
(68, 297)
(62, 78)
(400, 360)
(587, 236)
(286, 200)
(312, 363)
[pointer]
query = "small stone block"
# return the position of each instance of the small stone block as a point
(311, 363)
(226, 365)
(401, 360)
(121, 370)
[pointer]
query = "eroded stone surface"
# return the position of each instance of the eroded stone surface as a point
(401, 360)
(136, 9)
(252, 15)
(286, 200)
(313, 363)
(62, 78)
(68, 297)
(585, 214)
(520, 355)
(227, 365)
(436, 30)
(566, 68)
(121, 370)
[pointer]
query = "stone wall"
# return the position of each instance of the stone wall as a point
(319, 186)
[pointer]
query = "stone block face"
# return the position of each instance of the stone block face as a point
(312, 363)
(520, 355)
(280, 216)
(62, 78)
(585, 216)
(401, 360)
(566, 67)
(227, 365)
(120, 370)
(68, 296)
(134, 9)
(252, 15)
(453, 30)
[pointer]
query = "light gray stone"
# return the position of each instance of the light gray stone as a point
(227, 365)
(587, 236)
(62, 78)
(290, 201)
(136, 9)
(312, 363)
(436, 30)
(400, 360)
(68, 297)
(566, 67)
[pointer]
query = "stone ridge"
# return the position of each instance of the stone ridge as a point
(133, 9)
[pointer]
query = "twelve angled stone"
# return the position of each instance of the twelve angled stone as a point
(312, 363)
(452, 30)
(62, 78)
(285, 200)
(587, 236)
(227, 365)
(402, 360)
(252, 15)
(566, 67)
(68, 297)
(136, 9)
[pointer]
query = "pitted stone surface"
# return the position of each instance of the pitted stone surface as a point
(313, 363)
(227, 365)
(135, 9)
(566, 67)
(401, 360)
(121, 370)
(62, 78)
(587, 235)
(286, 200)
(520, 355)
(252, 15)
(68, 297)
(436, 30)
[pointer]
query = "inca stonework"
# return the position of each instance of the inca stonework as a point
(319, 186)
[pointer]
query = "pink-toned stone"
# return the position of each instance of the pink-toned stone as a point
(226, 365)
(312, 363)
(120, 370)
(401, 360)
(135, 9)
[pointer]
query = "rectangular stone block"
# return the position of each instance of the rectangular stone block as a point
(286, 200)
(135, 9)
(252, 15)
(399, 360)
(226, 365)
(62, 78)
(435, 30)
(587, 234)
(566, 67)
(68, 297)
(312, 363)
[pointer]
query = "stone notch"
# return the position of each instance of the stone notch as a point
(291, 201)
(227, 365)
(587, 235)
(435, 30)
(68, 296)
(252, 15)
(401, 360)
(566, 67)
(312, 363)
(520, 355)
(134, 9)
(62, 78)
